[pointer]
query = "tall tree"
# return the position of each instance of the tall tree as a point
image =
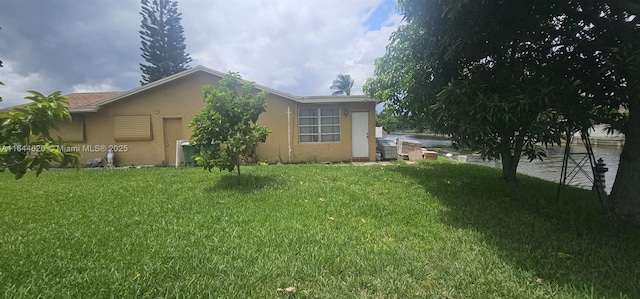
(607, 41)
(478, 70)
(163, 41)
(342, 84)
(226, 130)
(465, 71)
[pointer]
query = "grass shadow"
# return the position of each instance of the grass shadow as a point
(566, 242)
(245, 183)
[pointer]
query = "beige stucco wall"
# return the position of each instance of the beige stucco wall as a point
(333, 151)
(182, 98)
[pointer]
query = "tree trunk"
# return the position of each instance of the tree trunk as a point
(509, 167)
(238, 165)
(624, 200)
(511, 158)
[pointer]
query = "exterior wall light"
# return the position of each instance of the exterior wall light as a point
(345, 111)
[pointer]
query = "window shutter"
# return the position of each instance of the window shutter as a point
(132, 127)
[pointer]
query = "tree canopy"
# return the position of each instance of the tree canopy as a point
(387, 119)
(163, 40)
(226, 130)
(611, 41)
(465, 70)
(503, 76)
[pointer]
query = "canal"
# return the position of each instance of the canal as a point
(548, 169)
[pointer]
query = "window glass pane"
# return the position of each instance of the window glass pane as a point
(330, 137)
(330, 129)
(308, 138)
(307, 130)
(330, 120)
(308, 121)
(313, 121)
(330, 112)
(308, 112)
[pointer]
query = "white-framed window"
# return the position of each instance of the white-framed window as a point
(319, 125)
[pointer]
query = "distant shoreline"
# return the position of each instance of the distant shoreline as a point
(429, 135)
(608, 141)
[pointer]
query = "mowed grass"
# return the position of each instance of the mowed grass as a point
(431, 230)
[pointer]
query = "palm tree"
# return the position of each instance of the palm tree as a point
(342, 84)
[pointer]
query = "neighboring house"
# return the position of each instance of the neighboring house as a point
(143, 124)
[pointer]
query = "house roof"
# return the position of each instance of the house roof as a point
(10, 108)
(93, 101)
(79, 100)
(199, 68)
(86, 100)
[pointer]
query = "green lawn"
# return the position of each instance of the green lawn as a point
(432, 230)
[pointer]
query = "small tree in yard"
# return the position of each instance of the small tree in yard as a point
(25, 142)
(225, 131)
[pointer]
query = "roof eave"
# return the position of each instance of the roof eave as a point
(334, 99)
(84, 109)
(186, 73)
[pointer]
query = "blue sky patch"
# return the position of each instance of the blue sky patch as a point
(380, 15)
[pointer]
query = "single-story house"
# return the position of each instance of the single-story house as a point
(142, 125)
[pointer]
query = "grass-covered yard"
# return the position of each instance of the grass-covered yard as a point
(433, 230)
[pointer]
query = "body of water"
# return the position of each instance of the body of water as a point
(548, 169)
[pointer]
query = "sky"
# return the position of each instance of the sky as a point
(297, 47)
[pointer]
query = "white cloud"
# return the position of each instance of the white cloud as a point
(16, 86)
(298, 47)
(93, 87)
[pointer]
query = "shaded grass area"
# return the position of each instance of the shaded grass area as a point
(436, 230)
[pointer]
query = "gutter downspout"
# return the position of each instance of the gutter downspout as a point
(289, 134)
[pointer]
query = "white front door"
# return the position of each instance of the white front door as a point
(360, 134)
